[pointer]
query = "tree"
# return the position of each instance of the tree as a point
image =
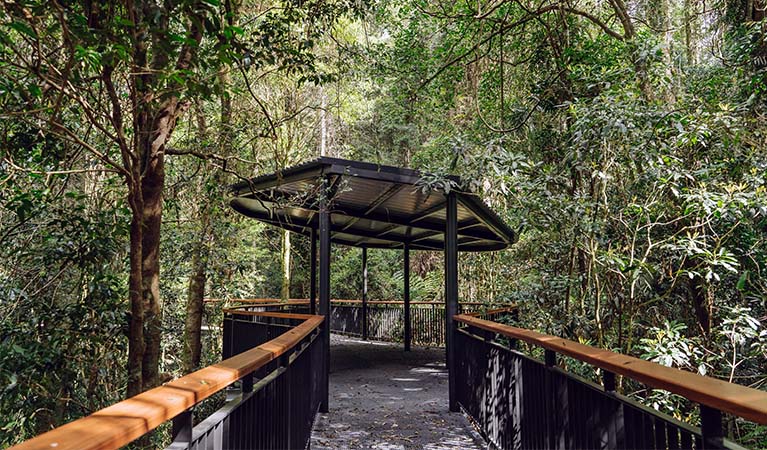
(129, 69)
(132, 70)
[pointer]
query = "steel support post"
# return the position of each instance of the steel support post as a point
(313, 272)
(406, 291)
(451, 293)
(324, 291)
(364, 293)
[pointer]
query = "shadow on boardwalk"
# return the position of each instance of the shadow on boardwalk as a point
(384, 398)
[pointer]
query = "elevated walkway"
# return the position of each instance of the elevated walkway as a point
(384, 398)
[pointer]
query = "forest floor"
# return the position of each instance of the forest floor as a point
(384, 398)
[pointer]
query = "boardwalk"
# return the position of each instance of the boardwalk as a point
(383, 398)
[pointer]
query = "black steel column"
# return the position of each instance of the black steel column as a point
(451, 292)
(406, 282)
(324, 293)
(364, 293)
(313, 272)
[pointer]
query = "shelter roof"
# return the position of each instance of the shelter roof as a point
(371, 205)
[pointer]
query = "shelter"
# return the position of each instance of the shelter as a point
(374, 206)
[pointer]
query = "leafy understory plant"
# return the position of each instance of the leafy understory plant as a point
(744, 336)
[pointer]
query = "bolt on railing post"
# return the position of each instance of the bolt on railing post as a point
(711, 427)
(181, 430)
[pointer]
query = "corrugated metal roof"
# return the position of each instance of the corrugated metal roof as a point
(371, 206)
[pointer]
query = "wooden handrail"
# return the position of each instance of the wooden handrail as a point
(490, 312)
(276, 315)
(399, 302)
(304, 301)
(292, 301)
(126, 421)
(733, 398)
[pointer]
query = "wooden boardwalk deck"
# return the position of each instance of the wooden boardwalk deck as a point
(384, 398)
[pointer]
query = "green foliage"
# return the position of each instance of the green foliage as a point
(642, 216)
(63, 322)
(633, 167)
(670, 347)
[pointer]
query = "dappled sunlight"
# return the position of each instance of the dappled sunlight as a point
(427, 370)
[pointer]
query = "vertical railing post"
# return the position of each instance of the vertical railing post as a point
(246, 383)
(613, 423)
(238, 428)
(181, 430)
(324, 291)
(711, 427)
(313, 272)
(406, 292)
(364, 293)
(550, 359)
(451, 293)
(608, 381)
(226, 351)
(286, 402)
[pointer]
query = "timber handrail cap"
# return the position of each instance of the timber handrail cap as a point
(266, 302)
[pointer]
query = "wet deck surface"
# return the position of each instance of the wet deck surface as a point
(384, 398)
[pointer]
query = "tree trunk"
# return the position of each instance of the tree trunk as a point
(195, 305)
(690, 22)
(639, 62)
(136, 327)
(323, 124)
(154, 128)
(661, 21)
(152, 187)
(698, 293)
(285, 291)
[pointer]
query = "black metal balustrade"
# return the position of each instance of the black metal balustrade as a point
(243, 330)
(385, 319)
(275, 360)
(386, 322)
(274, 407)
(519, 402)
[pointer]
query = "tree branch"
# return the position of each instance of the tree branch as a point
(531, 15)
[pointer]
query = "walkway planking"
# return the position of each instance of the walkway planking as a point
(384, 398)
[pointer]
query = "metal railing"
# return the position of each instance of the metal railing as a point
(521, 402)
(280, 387)
(385, 319)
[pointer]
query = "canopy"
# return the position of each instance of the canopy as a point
(370, 205)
